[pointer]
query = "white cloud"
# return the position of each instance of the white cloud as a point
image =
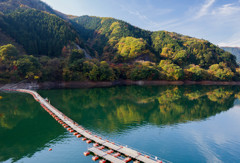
(227, 16)
(146, 14)
(138, 14)
(164, 24)
(232, 41)
(226, 10)
(204, 9)
(135, 13)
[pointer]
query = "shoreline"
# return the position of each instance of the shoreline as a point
(92, 84)
(102, 84)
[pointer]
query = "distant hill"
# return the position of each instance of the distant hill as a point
(117, 41)
(234, 50)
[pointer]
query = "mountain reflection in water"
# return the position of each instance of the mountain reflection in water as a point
(25, 128)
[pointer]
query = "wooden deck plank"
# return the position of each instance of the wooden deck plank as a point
(111, 146)
(97, 140)
(97, 151)
(145, 159)
(105, 155)
(130, 152)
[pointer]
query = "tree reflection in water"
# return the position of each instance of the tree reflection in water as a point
(26, 128)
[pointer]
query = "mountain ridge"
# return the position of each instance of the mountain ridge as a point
(8, 6)
(119, 49)
(104, 34)
(234, 50)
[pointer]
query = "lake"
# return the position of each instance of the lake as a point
(177, 123)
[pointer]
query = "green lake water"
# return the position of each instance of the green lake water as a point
(177, 123)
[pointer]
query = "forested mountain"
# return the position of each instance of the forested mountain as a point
(8, 6)
(6, 39)
(119, 41)
(40, 33)
(234, 50)
(120, 50)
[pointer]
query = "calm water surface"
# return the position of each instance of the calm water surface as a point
(177, 123)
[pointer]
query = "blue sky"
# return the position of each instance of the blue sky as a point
(215, 20)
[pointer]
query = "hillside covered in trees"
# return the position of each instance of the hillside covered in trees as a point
(118, 41)
(38, 32)
(8, 6)
(42, 44)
